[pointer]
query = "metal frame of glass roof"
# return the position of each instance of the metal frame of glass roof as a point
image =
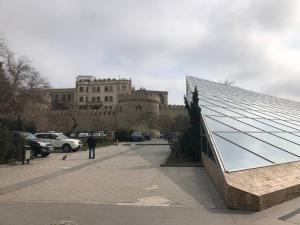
(246, 129)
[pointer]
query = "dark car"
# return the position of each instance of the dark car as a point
(37, 147)
(136, 136)
(146, 137)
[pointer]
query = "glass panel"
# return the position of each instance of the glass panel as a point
(224, 111)
(295, 122)
(261, 148)
(206, 111)
(270, 126)
(258, 124)
(235, 157)
(244, 113)
(291, 137)
(216, 126)
(262, 114)
(279, 142)
(235, 124)
(278, 125)
(287, 123)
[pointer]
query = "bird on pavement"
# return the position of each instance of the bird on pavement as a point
(65, 157)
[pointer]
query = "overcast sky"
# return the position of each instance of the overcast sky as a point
(255, 43)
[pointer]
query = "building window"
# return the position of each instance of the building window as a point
(139, 108)
(98, 99)
(106, 107)
(106, 99)
(81, 99)
(106, 89)
(111, 89)
(94, 89)
(80, 89)
(111, 98)
(93, 99)
(86, 99)
(69, 97)
(64, 97)
(56, 98)
(87, 89)
(98, 89)
(124, 87)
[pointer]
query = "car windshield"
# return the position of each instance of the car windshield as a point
(137, 133)
(27, 135)
(62, 136)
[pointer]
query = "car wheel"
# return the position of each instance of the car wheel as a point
(66, 148)
(45, 154)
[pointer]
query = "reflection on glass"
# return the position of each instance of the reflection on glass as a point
(259, 125)
(226, 112)
(277, 125)
(206, 111)
(229, 110)
(295, 137)
(279, 142)
(216, 126)
(235, 124)
(235, 157)
(261, 148)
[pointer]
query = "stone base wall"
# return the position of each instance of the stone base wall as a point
(258, 188)
(233, 197)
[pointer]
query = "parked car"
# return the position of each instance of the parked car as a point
(136, 136)
(102, 133)
(37, 146)
(146, 136)
(73, 135)
(83, 135)
(59, 140)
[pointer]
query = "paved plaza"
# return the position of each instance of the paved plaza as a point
(124, 185)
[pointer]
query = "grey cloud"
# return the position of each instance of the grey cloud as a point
(163, 40)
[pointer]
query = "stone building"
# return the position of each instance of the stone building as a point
(103, 104)
(100, 93)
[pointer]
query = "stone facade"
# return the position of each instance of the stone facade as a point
(141, 108)
(100, 93)
(134, 109)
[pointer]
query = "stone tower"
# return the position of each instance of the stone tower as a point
(140, 107)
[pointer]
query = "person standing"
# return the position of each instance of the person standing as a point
(91, 141)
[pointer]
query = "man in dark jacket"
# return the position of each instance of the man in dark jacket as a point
(91, 141)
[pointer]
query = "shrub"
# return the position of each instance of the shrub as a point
(123, 134)
(11, 146)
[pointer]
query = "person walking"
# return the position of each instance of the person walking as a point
(91, 141)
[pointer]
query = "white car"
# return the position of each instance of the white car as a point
(59, 140)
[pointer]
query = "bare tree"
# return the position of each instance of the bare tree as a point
(228, 82)
(20, 83)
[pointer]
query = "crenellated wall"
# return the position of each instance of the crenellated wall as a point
(140, 110)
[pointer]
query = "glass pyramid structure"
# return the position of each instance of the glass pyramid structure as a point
(246, 129)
